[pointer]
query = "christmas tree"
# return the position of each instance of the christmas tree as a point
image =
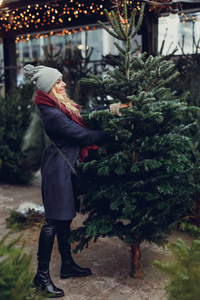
(139, 185)
(16, 272)
(184, 273)
(188, 66)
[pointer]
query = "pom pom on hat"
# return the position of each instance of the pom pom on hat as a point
(29, 70)
(44, 77)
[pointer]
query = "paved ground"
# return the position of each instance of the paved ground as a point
(109, 259)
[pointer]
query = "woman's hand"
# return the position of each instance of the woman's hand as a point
(115, 108)
(124, 105)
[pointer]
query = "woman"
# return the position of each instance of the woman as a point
(63, 124)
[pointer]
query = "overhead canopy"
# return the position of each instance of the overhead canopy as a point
(31, 17)
(25, 17)
(19, 17)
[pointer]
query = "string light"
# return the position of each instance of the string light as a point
(34, 16)
(74, 9)
(24, 38)
(39, 16)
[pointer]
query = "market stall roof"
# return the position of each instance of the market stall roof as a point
(25, 17)
(19, 17)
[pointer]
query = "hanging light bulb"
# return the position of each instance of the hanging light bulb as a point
(173, 24)
(1, 1)
(173, 18)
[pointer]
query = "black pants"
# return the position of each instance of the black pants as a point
(49, 229)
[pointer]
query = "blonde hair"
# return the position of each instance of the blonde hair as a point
(68, 103)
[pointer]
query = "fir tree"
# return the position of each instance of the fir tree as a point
(188, 66)
(184, 273)
(14, 119)
(140, 185)
(16, 272)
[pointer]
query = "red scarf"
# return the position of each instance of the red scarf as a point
(42, 98)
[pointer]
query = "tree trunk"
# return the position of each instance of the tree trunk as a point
(194, 213)
(135, 261)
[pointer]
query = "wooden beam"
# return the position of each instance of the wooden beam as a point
(10, 63)
(20, 4)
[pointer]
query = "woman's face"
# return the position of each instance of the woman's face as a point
(60, 87)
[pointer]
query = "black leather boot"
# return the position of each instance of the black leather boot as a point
(42, 278)
(68, 268)
(44, 283)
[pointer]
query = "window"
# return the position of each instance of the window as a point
(184, 36)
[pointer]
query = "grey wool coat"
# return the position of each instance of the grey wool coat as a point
(69, 136)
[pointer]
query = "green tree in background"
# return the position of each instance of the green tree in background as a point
(15, 116)
(16, 272)
(184, 272)
(188, 67)
(140, 185)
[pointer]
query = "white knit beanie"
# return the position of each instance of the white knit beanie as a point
(44, 77)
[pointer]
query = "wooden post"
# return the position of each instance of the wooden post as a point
(10, 63)
(149, 31)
